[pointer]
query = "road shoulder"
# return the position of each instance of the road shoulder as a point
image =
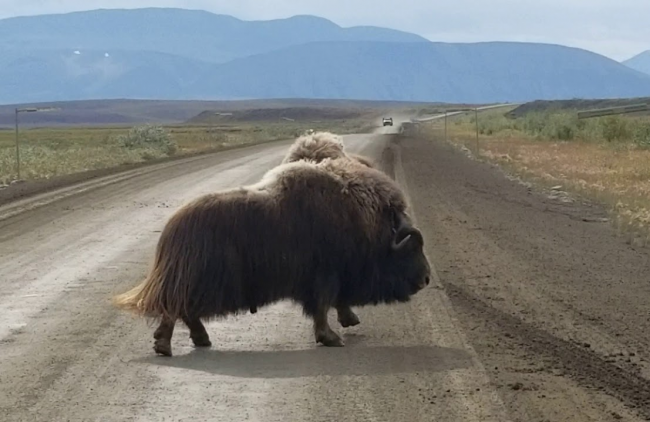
(551, 304)
(485, 399)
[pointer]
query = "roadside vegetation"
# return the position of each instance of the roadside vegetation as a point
(50, 152)
(605, 159)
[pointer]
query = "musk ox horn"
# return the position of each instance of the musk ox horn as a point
(405, 235)
(403, 231)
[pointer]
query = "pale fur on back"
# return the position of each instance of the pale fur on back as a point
(315, 147)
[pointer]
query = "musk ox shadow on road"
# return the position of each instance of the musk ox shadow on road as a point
(349, 361)
(333, 233)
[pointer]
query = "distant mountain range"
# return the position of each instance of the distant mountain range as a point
(640, 62)
(474, 73)
(159, 53)
(191, 34)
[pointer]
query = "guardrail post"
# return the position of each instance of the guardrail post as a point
(446, 126)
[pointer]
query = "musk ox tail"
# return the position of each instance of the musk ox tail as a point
(165, 292)
(148, 299)
(139, 299)
(129, 301)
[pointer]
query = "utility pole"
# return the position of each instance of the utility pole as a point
(25, 110)
(17, 149)
(476, 116)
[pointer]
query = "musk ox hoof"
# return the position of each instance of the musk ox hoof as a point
(163, 347)
(202, 341)
(349, 320)
(329, 339)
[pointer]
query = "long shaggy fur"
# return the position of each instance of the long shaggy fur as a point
(315, 147)
(363, 160)
(310, 232)
(320, 145)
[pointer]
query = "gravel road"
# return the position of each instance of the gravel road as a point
(535, 315)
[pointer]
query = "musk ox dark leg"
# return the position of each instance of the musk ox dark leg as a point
(163, 336)
(317, 302)
(346, 317)
(322, 330)
(198, 334)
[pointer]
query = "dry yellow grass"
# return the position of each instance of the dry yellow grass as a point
(615, 175)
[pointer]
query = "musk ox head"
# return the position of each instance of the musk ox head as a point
(400, 267)
(406, 269)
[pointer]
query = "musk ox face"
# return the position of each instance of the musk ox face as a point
(406, 269)
(409, 259)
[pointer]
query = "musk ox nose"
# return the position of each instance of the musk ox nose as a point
(424, 282)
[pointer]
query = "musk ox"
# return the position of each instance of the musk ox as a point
(328, 234)
(316, 147)
(362, 159)
(320, 145)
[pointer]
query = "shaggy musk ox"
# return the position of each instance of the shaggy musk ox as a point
(320, 145)
(328, 234)
(362, 159)
(316, 147)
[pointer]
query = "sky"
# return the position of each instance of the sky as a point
(617, 29)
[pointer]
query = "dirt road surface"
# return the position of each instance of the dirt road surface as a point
(535, 315)
(68, 355)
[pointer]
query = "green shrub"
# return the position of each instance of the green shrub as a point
(641, 134)
(557, 125)
(614, 128)
(151, 138)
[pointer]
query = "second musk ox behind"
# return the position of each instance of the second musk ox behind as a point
(315, 147)
(319, 146)
(327, 234)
